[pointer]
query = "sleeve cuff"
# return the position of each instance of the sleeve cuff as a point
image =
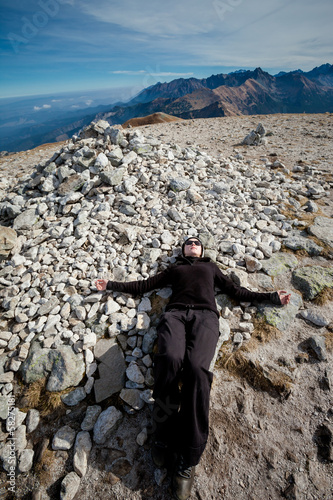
(109, 285)
(275, 299)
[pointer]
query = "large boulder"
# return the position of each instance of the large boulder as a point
(62, 367)
(111, 369)
(312, 280)
(281, 316)
(279, 264)
(322, 228)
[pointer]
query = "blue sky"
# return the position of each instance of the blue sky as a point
(52, 46)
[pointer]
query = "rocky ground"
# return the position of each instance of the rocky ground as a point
(116, 205)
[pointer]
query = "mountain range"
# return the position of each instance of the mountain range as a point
(238, 93)
(243, 92)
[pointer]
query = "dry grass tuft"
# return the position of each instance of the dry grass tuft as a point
(329, 339)
(44, 401)
(323, 297)
(272, 381)
(263, 332)
(299, 253)
(43, 468)
(33, 393)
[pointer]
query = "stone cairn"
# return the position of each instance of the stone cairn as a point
(117, 204)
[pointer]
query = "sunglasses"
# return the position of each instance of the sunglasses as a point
(196, 242)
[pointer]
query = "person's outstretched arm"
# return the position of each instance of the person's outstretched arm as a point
(226, 285)
(160, 280)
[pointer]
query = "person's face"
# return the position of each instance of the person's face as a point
(192, 248)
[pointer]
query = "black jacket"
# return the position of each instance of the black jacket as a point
(193, 282)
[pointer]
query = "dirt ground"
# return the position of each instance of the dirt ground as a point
(264, 443)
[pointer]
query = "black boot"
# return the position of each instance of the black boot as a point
(159, 453)
(182, 480)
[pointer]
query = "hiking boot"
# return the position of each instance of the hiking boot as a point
(159, 453)
(182, 480)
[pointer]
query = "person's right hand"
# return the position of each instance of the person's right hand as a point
(101, 284)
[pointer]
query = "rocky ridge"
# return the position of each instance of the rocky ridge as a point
(117, 204)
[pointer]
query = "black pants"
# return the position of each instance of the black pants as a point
(186, 345)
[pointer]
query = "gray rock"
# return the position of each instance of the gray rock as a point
(180, 184)
(26, 220)
(252, 264)
(8, 241)
(72, 183)
(132, 398)
(174, 215)
(314, 317)
(129, 158)
(134, 373)
(4, 407)
(296, 241)
(312, 207)
(69, 486)
(149, 341)
(73, 398)
(82, 449)
(106, 424)
(48, 306)
(115, 156)
(65, 368)
(322, 229)
(64, 438)
(20, 437)
(279, 264)
(113, 177)
(316, 344)
(116, 135)
(312, 280)
(32, 421)
(221, 187)
(101, 162)
(25, 460)
(224, 336)
(111, 369)
(252, 139)
(91, 417)
(281, 316)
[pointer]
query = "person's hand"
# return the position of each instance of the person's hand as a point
(101, 284)
(284, 297)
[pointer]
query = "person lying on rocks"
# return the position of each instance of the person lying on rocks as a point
(188, 332)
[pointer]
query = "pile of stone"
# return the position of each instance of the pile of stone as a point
(116, 204)
(255, 137)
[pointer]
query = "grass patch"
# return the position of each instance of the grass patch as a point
(324, 296)
(43, 468)
(272, 381)
(44, 401)
(307, 217)
(300, 253)
(263, 333)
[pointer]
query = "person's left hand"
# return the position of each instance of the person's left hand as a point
(284, 297)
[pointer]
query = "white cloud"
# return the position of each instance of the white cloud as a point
(128, 72)
(154, 18)
(45, 106)
(150, 73)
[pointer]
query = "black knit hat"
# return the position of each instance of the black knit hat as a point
(192, 238)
